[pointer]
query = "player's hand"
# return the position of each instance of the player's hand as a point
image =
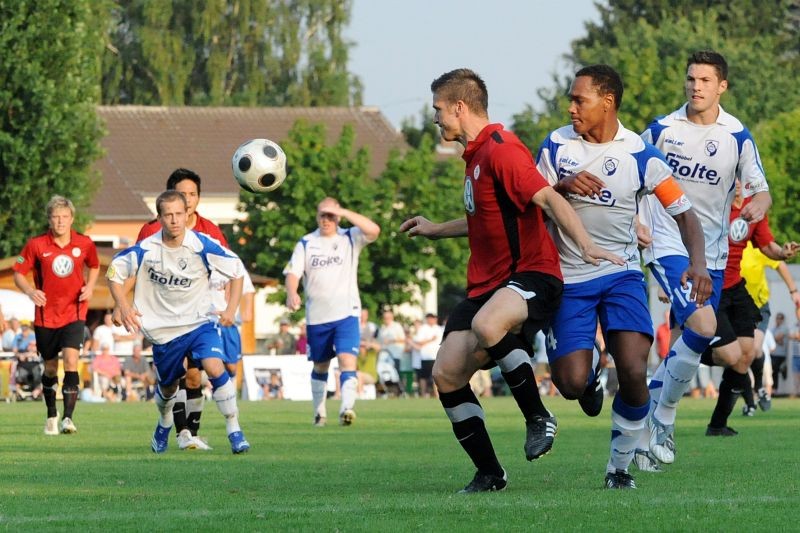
(582, 183)
(226, 318)
(643, 235)
(701, 284)
(752, 212)
(86, 293)
(790, 250)
(38, 297)
(662, 296)
(129, 317)
(293, 301)
(796, 300)
(418, 225)
(594, 254)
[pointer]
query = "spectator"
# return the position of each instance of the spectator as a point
(302, 339)
(11, 332)
(663, 337)
(24, 337)
(392, 337)
(425, 344)
(368, 327)
(109, 373)
(138, 374)
(781, 335)
(283, 342)
(28, 372)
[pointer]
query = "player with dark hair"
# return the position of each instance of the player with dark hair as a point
(173, 309)
(61, 294)
(513, 277)
(604, 170)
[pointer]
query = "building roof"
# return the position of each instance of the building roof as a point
(144, 144)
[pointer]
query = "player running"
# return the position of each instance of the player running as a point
(172, 307)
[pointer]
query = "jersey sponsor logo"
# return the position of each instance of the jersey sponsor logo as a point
(675, 142)
(111, 272)
(322, 261)
(63, 265)
(610, 166)
(605, 198)
(45, 254)
(477, 172)
(469, 196)
(183, 263)
(76, 252)
(696, 172)
(168, 280)
(712, 147)
(20, 259)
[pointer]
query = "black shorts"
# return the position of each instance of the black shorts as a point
(737, 315)
(426, 370)
(541, 308)
(50, 341)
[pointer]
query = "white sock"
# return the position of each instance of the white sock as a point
(349, 385)
(319, 390)
(656, 384)
(165, 419)
(225, 396)
(627, 424)
(680, 367)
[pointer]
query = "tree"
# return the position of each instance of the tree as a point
(48, 128)
(233, 52)
(778, 142)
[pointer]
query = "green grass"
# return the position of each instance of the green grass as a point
(397, 469)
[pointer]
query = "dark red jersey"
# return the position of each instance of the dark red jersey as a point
(58, 272)
(507, 232)
(202, 225)
(759, 234)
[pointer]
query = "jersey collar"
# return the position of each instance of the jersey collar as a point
(723, 118)
(476, 143)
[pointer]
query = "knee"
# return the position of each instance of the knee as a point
(446, 380)
(194, 380)
(570, 386)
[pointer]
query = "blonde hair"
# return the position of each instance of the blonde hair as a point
(58, 202)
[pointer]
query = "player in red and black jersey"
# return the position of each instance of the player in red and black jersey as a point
(61, 293)
(514, 281)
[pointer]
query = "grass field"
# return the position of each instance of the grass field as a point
(397, 469)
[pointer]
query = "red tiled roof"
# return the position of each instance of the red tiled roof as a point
(145, 144)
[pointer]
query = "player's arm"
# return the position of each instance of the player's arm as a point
(88, 289)
(786, 275)
(293, 300)
(38, 297)
(559, 210)
(583, 183)
(775, 251)
(369, 228)
(423, 227)
(757, 208)
(228, 316)
(128, 315)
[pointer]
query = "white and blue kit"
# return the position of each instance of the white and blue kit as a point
(173, 295)
(328, 267)
(614, 294)
(706, 160)
(231, 338)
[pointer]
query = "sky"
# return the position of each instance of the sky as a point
(516, 46)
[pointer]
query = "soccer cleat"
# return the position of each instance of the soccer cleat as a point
(187, 441)
(764, 400)
(619, 479)
(347, 417)
(541, 432)
(160, 439)
(320, 421)
(748, 410)
(238, 442)
(662, 443)
(201, 444)
(721, 432)
(592, 400)
(645, 461)
(485, 483)
(51, 426)
(67, 426)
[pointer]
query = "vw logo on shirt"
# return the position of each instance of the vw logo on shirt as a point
(63, 266)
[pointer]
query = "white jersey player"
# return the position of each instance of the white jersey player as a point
(708, 150)
(173, 309)
(327, 262)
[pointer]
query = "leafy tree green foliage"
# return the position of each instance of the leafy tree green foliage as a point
(649, 43)
(413, 183)
(48, 129)
(779, 146)
(233, 52)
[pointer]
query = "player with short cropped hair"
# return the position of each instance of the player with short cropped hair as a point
(173, 309)
(604, 170)
(513, 277)
(61, 293)
(327, 262)
(707, 149)
(189, 403)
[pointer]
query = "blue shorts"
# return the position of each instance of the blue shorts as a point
(231, 344)
(201, 343)
(618, 300)
(668, 270)
(327, 340)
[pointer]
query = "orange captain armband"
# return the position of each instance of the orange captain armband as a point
(668, 192)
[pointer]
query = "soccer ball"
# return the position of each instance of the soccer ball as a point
(259, 165)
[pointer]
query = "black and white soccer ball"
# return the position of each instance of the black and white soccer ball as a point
(259, 165)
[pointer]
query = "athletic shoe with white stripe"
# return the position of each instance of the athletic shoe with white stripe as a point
(541, 432)
(620, 479)
(662, 443)
(68, 426)
(485, 483)
(646, 461)
(238, 443)
(160, 439)
(51, 426)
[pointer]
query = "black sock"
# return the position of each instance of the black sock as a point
(70, 392)
(49, 385)
(193, 417)
(179, 409)
(747, 392)
(757, 367)
(513, 358)
(466, 415)
(730, 388)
